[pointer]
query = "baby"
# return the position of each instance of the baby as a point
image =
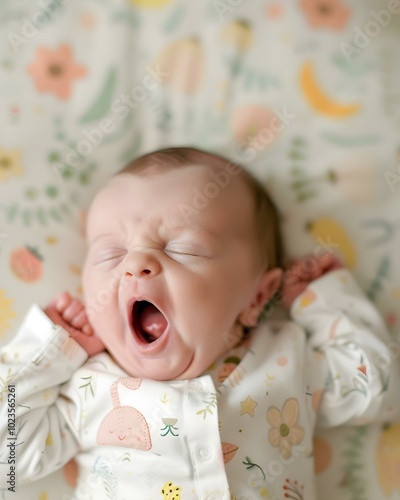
(226, 256)
(181, 282)
(167, 382)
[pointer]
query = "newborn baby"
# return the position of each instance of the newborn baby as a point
(179, 283)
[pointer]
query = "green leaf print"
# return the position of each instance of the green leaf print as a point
(210, 403)
(102, 103)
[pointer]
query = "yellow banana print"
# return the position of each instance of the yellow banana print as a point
(150, 4)
(329, 233)
(318, 98)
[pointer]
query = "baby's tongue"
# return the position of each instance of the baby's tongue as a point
(153, 322)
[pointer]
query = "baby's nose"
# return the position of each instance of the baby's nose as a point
(142, 264)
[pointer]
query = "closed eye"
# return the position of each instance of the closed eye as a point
(110, 255)
(185, 251)
(180, 252)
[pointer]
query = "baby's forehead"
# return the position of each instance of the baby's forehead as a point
(195, 190)
(213, 179)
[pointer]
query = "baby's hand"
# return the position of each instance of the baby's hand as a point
(70, 313)
(301, 272)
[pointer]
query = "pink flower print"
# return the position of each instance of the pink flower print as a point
(332, 14)
(54, 70)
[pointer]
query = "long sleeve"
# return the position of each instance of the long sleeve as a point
(351, 350)
(34, 438)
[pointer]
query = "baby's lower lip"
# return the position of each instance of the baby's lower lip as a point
(154, 347)
(146, 347)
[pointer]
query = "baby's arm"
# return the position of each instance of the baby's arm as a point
(70, 313)
(33, 367)
(349, 353)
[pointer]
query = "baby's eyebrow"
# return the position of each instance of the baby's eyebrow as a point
(99, 237)
(195, 229)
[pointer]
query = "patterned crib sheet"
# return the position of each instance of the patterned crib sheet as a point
(305, 93)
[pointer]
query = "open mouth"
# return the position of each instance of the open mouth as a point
(148, 321)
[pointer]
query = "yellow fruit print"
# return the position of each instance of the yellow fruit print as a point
(26, 264)
(239, 34)
(171, 492)
(319, 100)
(7, 312)
(151, 4)
(388, 460)
(330, 233)
(182, 65)
(10, 163)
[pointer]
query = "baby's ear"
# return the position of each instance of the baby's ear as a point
(268, 284)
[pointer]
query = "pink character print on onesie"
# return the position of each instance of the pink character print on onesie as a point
(124, 425)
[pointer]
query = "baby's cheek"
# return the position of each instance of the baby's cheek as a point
(98, 297)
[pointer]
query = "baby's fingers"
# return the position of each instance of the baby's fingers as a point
(81, 322)
(74, 308)
(62, 301)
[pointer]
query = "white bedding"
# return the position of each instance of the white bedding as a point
(305, 93)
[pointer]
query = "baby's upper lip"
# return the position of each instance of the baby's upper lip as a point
(140, 298)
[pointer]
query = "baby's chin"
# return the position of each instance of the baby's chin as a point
(160, 369)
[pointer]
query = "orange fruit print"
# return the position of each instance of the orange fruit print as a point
(26, 264)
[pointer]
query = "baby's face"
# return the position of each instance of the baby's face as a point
(164, 281)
